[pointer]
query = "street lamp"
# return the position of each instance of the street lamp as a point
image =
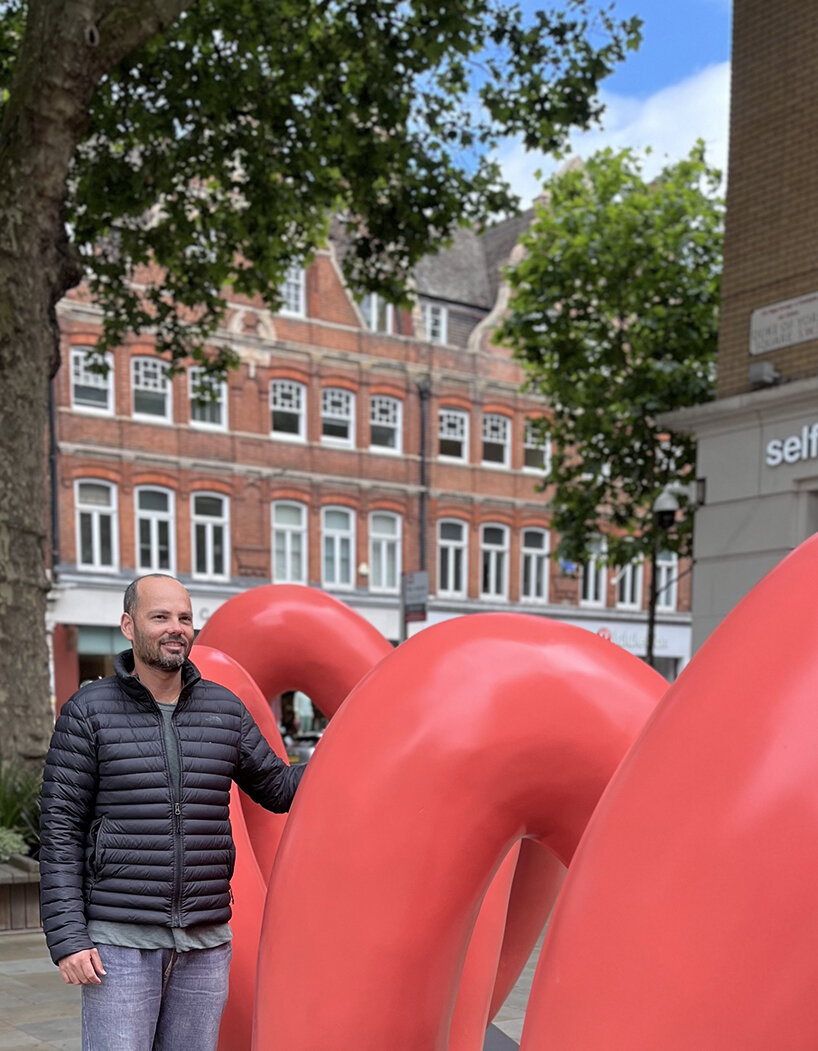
(665, 507)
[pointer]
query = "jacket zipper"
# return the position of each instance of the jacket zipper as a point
(176, 827)
(177, 809)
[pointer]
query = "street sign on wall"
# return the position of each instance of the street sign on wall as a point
(414, 595)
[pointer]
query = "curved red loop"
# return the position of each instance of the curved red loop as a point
(473, 734)
(256, 834)
(688, 916)
(288, 637)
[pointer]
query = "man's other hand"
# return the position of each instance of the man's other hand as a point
(81, 968)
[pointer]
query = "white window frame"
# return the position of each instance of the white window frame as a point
(667, 574)
(533, 442)
(378, 315)
(338, 538)
(452, 547)
(151, 364)
(293, 387)
(96, 512)
(446, 417)
(292, 536)
(81, 376)
(391, 418)
(154, 519)
(333, 416)
(195, 374)
(436, 330)
(210, 522)
(293, 290)
(535, 565)
(496, 431)
(494, 558)
(380, 544)
(628, 583)
(593, 585)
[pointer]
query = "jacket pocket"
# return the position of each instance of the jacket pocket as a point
(96, 847)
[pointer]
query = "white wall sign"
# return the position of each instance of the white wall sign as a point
(784, 324)
(800, 446)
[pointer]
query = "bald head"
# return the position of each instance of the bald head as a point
(131, 600)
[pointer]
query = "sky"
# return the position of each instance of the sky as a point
(674, 90)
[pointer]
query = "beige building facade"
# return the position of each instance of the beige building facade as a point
(758, 442)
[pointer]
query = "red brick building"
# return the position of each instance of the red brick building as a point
(354, 443)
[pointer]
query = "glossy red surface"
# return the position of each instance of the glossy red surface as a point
(288, 637)
(473, 734)
(685, 920)
(688, 917)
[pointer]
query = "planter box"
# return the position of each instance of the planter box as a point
(19, 894)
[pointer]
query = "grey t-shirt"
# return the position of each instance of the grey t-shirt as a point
(154, 935)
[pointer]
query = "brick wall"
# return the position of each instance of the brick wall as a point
(772, 223)
(252, 468)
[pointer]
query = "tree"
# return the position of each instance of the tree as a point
(613, 314)
(201, 144)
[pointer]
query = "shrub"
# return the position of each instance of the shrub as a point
(11, 842)
(20, 803)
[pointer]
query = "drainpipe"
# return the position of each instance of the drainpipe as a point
(54, 489)
(425, 391)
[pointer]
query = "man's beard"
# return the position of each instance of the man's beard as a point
(151, 653)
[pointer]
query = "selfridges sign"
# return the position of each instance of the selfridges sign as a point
(800, 446)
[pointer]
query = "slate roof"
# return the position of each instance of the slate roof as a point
(468, 270)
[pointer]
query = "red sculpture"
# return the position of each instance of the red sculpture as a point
(422, 704)
(685, 918)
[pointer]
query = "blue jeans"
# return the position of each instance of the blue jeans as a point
(156, 1000)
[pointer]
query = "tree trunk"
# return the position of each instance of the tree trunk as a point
(67, 47)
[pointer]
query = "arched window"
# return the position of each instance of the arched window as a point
(151, 390)
(289, 542)
(288, 410)
(91, 391)
(453, 434)
(337, 547)
(385, 418)
(208, 399)
(452, 558)
(155, 530)
(535, 559)
(494, 561)
(667, 572)
(594, 575)
(496, 440)
(211, 536)
(97, 526)
(337, 416)
(385, 530)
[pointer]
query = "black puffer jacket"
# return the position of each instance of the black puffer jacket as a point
(115, 845)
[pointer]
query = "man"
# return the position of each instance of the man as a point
(136, 850)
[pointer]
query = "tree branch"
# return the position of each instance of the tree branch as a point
(124, 25)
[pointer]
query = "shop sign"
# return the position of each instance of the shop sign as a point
(632, 639)
(800, 446)
(415, 595)
(784, 324)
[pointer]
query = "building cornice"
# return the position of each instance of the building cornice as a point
(741, 410)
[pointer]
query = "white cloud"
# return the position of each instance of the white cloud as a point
(669, 122)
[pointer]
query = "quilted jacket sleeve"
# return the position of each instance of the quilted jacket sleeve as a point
(265, 777)
(69, 789)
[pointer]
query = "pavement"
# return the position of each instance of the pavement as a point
(39, 1012)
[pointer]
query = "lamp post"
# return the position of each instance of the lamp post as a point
(665, 507)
